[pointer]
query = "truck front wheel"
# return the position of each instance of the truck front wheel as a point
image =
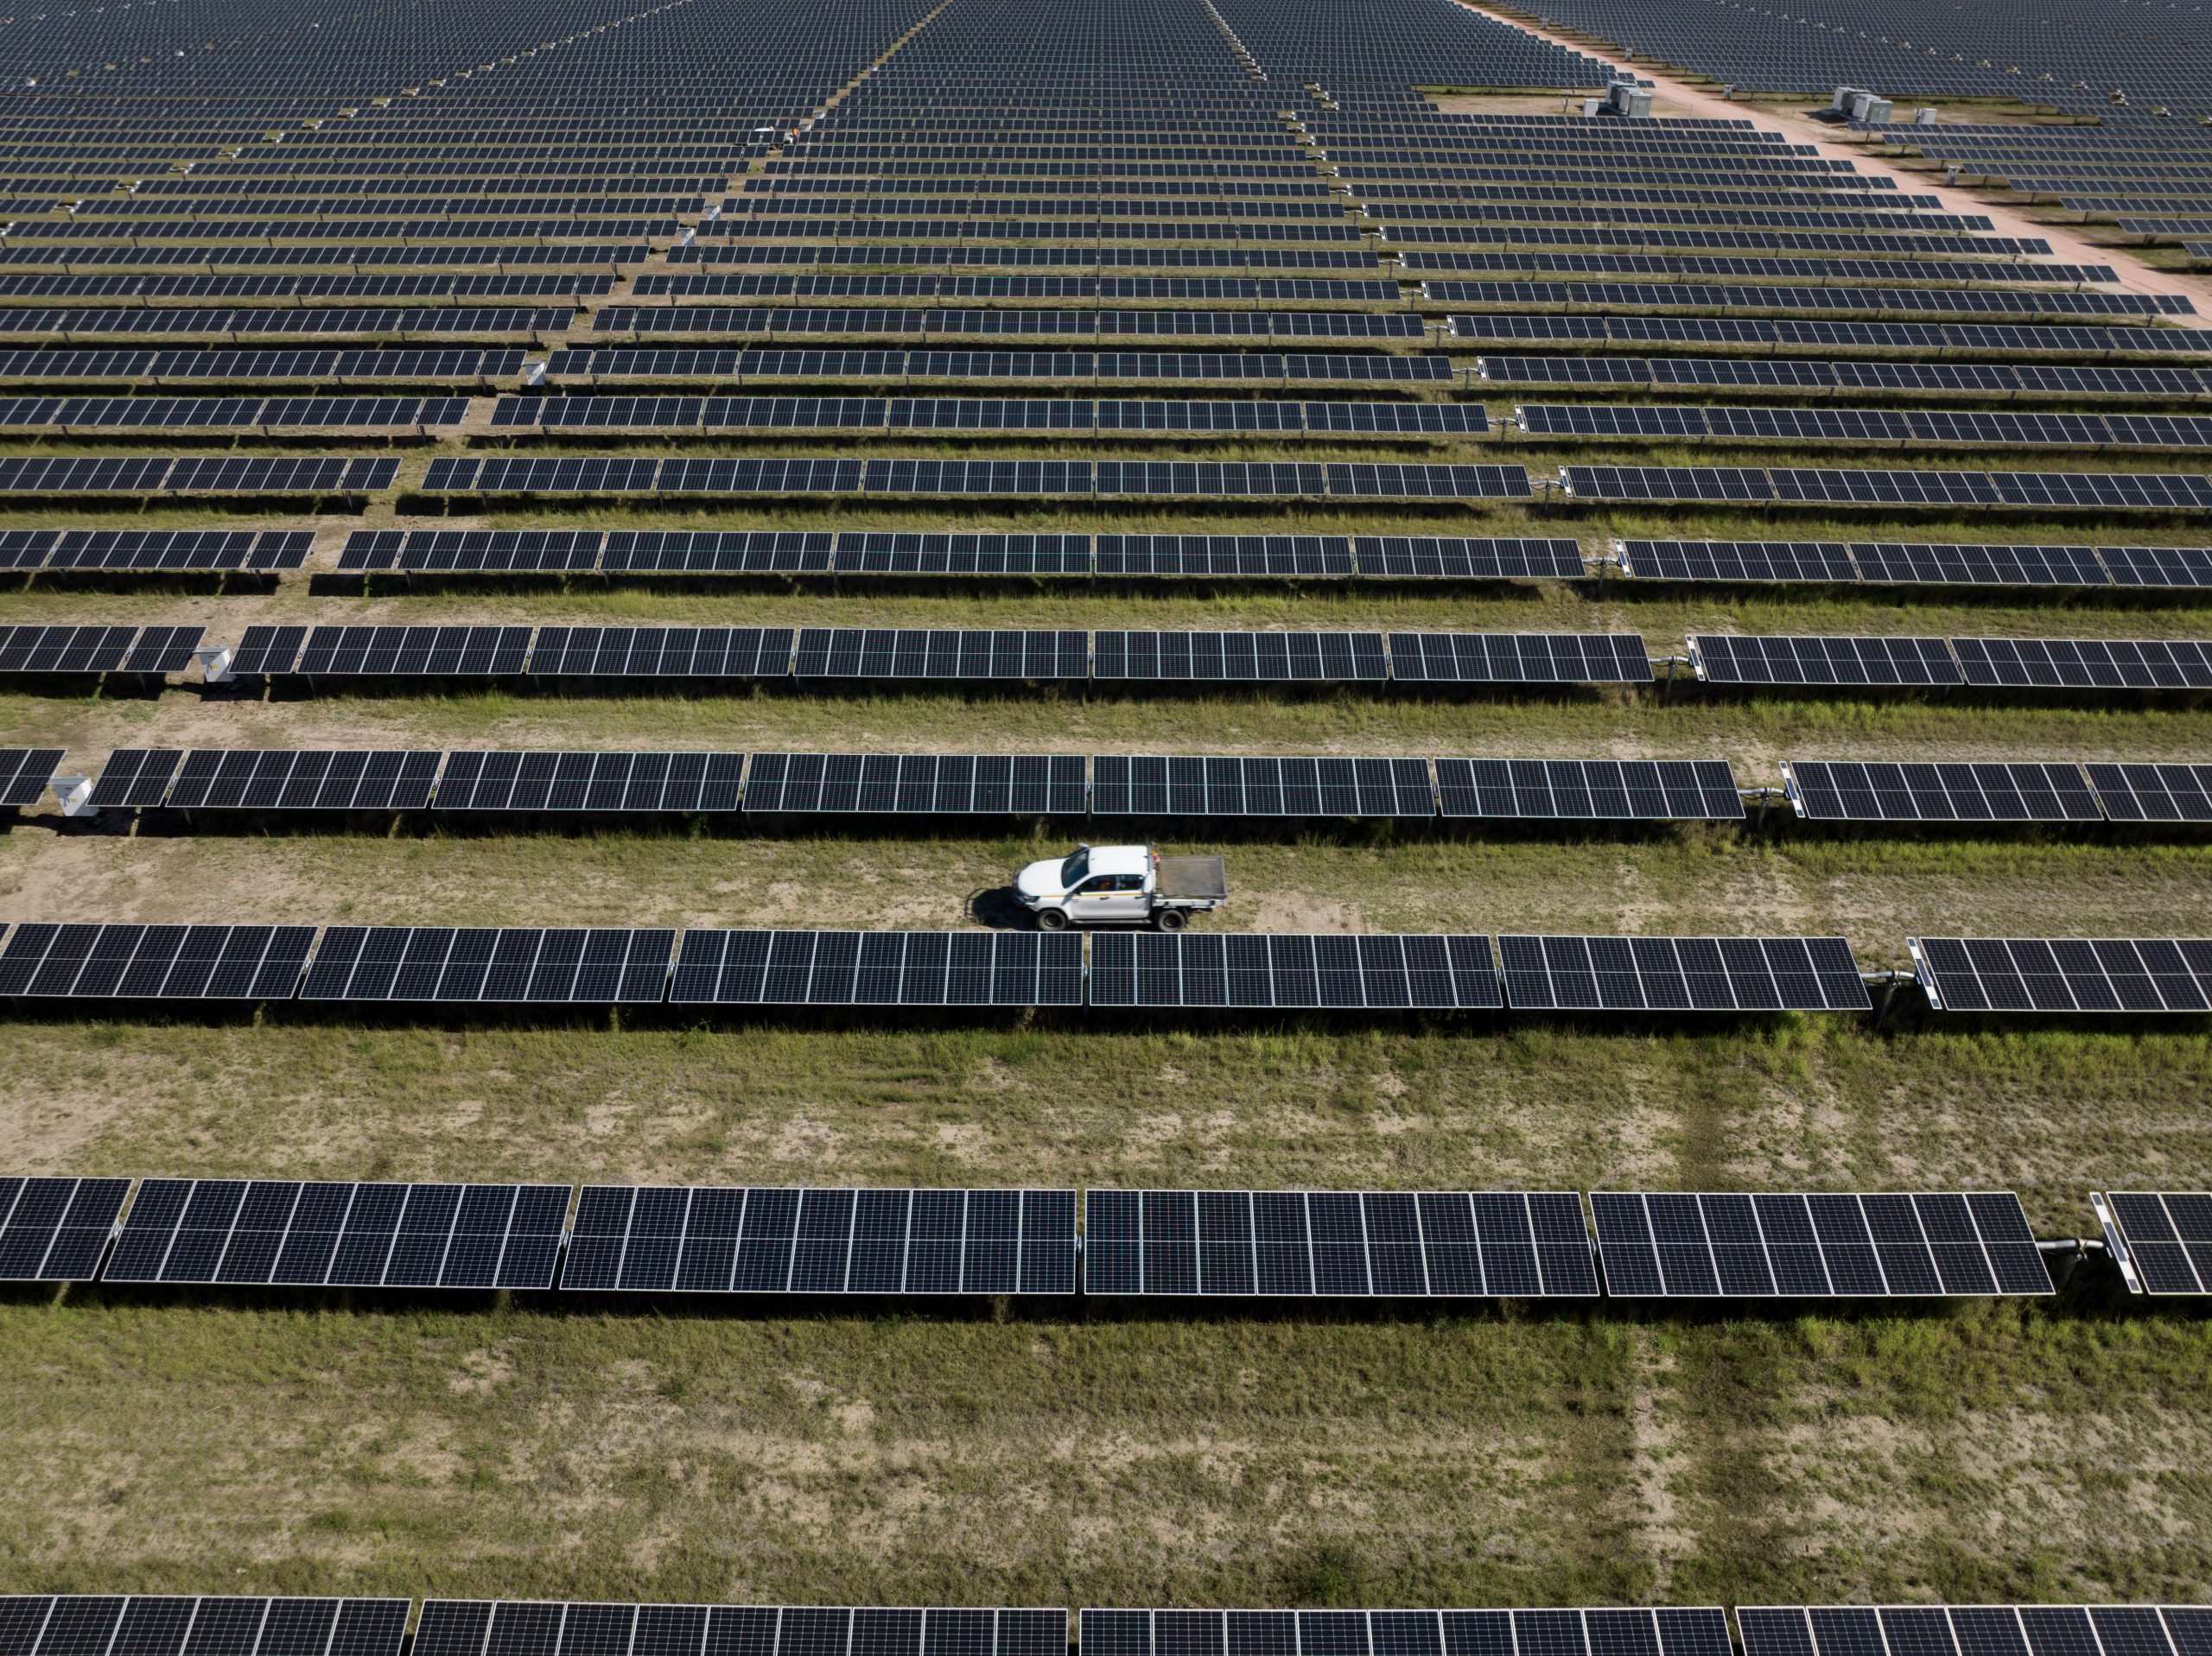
(1052, 920)
(1169, 920)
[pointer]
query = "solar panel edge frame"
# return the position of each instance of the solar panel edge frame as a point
(2116, 1248)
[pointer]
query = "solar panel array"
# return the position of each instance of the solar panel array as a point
(74, 652)
(2162, 1240)
(670, 1239)
(1602, 973)
(266, 474)
(2000, 1629)
(452, 1626)
(1917, 563)
(1055, 478)
(772, 552)
(1302, 1243)
(33, 551)
(1815, 1245)
(707, 653)
(24, 773)
(606, 965)
(186, 1625)
(2134, 975)
(1988, 663)
(282, 1231)
(1405, 1633)
(2017, 791)
(56, 1229)
(1895, 489)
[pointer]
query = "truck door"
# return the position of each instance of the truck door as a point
(1108, 899)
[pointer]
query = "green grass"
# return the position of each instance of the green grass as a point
(1987, 1453)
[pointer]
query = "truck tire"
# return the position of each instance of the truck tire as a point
(1052, 920)
(1169, 920)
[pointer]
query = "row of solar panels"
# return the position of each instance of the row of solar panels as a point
(1066, 784)
(2095, 342)
(822, 552)
(617, 965)
(1235, 479)
(358, 321)
(93, 416)
(940, 655)
(1029, 784)
(1928, 563)
(141, 1625)
(323, 368)
(1989, 664)
(856, 552)
(1821, 486)
(946, 654)
(168, 551)
(1230, 1243)
(1060, 416)
(196, 474)
(1773, 299)
(1998, 379)
(1010, 322)
(2002, 429)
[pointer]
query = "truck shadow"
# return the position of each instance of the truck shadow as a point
(997, 907)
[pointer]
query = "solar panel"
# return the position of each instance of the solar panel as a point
(1406, 1633)
(1722, 659)
(1440, 972)
(903, 968)
(1519, 658)
(25, 772)
(2014, 1630)
(1681, 974)
(149, 1624)
(56, 1229)
(2161, 1240)
(478, 779)
(472, 1627)
(2018, 791)
(916, 653)
(2063, 974)
(1300, 1243)
(286, 1233)
(93, 961)
(1594, 789)
(1223, 785)
(599, 965)
(1310, 658)
(278, 779)
(395, 652)
(134, 778)
(72, 651)
(1814, 1244)
(650, 1239)
(1024, 784)
(2086, 663)
(2153, 793)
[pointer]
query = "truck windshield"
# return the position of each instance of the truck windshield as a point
(1073, 870)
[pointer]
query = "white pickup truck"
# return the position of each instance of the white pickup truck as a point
(1120, 886)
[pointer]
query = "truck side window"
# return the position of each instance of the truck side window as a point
(1128, 883)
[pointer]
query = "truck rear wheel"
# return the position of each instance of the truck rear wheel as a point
(1052, 920)
(1169, 920)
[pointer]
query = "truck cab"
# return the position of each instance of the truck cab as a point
(1119, 885)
